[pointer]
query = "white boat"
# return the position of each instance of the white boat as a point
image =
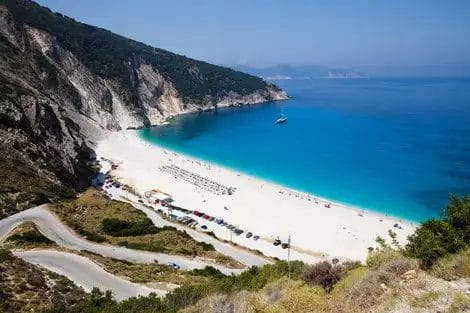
(281, 119)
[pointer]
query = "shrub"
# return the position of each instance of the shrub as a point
(207, 271)
(30, 237)
(376, 258)
(5, 255)
(206, 246)
(458, 215)
(323, 274)
(425, 300)
(433, 240)
(120, 228)
(460, 303)
(365, 292)
(453, 266)
(399, 265)
(304, 299)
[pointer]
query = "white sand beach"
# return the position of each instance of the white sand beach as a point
(261, 207)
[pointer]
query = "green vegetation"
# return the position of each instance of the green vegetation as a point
(425, 300)
(100, 219)
(437, 238)
(460, 303)
(120, 228)
(267, 290)
(453, 266)
(390, 281)
(27, 236)
(156, 274)
(27, 288)
(115, 57)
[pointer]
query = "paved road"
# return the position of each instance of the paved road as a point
(242, 256)
(50, 226)
(85, 273)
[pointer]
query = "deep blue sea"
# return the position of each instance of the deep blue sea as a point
(396, 146)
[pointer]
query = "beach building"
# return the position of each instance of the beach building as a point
(156, 196)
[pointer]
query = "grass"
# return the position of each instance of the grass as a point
(100, 219)
(425, 300)
(460, 303)
(453, 266)
(148, 273)
(27, 236)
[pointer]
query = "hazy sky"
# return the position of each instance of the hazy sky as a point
(390, 35)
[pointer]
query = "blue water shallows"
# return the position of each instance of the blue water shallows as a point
(396, 146)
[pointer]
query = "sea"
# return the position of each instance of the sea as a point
(398, 146)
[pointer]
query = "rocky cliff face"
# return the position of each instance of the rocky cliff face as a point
(53, 107)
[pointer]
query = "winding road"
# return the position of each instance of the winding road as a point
(86, 273)
(51, 227)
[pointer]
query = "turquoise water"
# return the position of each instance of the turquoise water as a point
(396, 146)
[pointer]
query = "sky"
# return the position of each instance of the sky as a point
(378, 36)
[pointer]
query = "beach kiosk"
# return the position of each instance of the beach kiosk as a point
(156, 196)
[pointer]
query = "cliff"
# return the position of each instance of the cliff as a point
(64, 84)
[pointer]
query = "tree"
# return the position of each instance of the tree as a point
(458, 215)
(432, 240)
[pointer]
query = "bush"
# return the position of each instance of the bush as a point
(458, 215)
(453, 266)
(460, 303)
(366, 292)
(376, 258)
(30, 237)
(6, 255)
(323, 274)
(399, 265)
(207, 271)
(390, 260)
(120, 228)
(433, 240)
(206, 246)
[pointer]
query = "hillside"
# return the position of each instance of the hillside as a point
(63, 84)
(28, 288)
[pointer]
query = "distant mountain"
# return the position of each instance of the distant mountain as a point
(63, 84)
(285, 71)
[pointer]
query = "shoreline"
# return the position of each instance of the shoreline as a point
(283, 210)
(345, 205)
(306, 194)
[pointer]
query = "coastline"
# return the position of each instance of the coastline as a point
(323, 199)
(261, 207)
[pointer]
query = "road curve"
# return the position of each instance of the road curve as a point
(51, 227)
(85, 273)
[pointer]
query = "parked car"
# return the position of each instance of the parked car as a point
(249, 234)
(238, 232)
(141, 201)
(203, 226)
(174, 265)
(284, 245)
(277, 242)
(255, 237)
